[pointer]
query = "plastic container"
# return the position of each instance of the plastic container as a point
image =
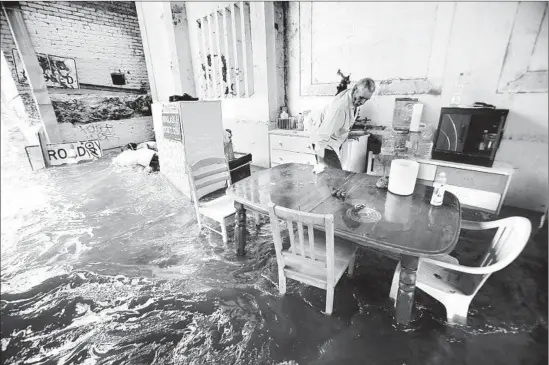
(388, 140)
(439, 188)
(284, 119)
(413, 140)
(424, 145)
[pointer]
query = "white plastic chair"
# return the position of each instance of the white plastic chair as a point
(455, 285)
(321, 262)
(207, 176)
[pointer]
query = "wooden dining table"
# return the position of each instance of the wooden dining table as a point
(407, 227)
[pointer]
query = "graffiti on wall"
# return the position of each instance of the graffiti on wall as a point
(57, 71)
(101, 132)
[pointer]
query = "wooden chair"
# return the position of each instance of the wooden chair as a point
(455, 285)
(319, 263)
(206, 176)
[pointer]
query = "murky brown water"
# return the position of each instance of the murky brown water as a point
(105, 265)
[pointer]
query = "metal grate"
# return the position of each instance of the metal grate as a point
(226, 54)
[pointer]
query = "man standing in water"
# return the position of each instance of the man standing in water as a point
(331, 127)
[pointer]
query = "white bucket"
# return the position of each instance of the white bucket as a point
(354, 153)
(403, 175)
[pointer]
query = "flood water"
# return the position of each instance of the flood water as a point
(106, 265)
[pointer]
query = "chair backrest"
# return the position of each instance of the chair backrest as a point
(510, 239)
(301, 251)
(208, 175)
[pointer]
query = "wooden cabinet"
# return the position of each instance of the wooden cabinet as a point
(290, 146)
(476, 187)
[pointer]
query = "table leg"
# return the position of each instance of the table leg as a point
(240, 228)
(406, 289)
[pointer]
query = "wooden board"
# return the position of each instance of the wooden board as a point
(291, 143)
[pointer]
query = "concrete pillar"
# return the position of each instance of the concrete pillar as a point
(270, 58)
(34, 73)
(166, 48)
(12, 104)
(183, 48)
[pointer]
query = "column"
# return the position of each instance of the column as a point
(34, 73)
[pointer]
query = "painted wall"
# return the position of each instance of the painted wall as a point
(111, 133)
(421, 48)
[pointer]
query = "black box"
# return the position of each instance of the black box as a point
(240, 166)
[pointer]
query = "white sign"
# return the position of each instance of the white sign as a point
(63, 153)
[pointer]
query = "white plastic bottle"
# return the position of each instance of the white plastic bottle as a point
(439, 187)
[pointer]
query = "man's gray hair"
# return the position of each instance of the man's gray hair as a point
(366, 83)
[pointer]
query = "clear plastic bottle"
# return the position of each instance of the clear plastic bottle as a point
(457, 91)
(413, 140)
(439, 187)
(424, 145)
(388, 140)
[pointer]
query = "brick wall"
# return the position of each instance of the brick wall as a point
(102, 37)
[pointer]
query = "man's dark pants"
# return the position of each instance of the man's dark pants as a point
(331, 159)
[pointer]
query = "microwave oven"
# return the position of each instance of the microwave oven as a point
(469, 135)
